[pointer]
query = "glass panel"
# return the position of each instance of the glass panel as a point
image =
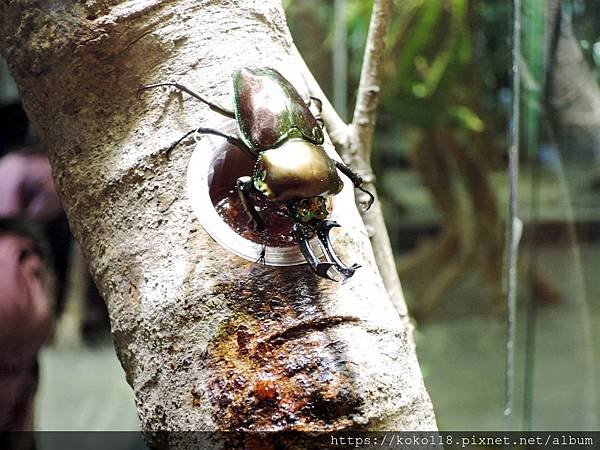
(442, 175)
(560, 198)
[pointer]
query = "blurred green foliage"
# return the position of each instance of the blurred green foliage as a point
(447, 63)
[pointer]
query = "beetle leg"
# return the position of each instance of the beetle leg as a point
(187, 90)
(244, 186)
(319, 104)
(231, 139)
(318, 267)
(323, 228)
(263, 252)
(356, 179)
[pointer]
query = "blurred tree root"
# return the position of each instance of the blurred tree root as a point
(472, 235)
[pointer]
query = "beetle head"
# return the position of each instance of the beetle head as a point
(309, 209)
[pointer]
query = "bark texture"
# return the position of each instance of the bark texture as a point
(354, 142)
(208, 341)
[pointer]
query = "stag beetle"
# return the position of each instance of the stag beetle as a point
(277, 129)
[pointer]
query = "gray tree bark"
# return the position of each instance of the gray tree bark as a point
(207, 340)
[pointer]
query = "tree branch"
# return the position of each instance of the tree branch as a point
(354, 143)
(337, 129)
(358, 151)
(363, 122)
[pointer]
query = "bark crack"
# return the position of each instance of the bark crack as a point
(306, 326)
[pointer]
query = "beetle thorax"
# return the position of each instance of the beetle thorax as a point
(295, 170)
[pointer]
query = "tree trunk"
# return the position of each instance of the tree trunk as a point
(208, 341)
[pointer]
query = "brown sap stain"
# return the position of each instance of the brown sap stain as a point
(276, 367)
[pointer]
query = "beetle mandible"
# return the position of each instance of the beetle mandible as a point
(278, 130)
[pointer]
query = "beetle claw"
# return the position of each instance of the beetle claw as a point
(322, 269)
(318, 267)
(371, 198)
(323, 229)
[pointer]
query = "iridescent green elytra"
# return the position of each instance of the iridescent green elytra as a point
(274, 120)
(269, 110)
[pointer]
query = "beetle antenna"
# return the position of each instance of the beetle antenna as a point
(187, 90)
